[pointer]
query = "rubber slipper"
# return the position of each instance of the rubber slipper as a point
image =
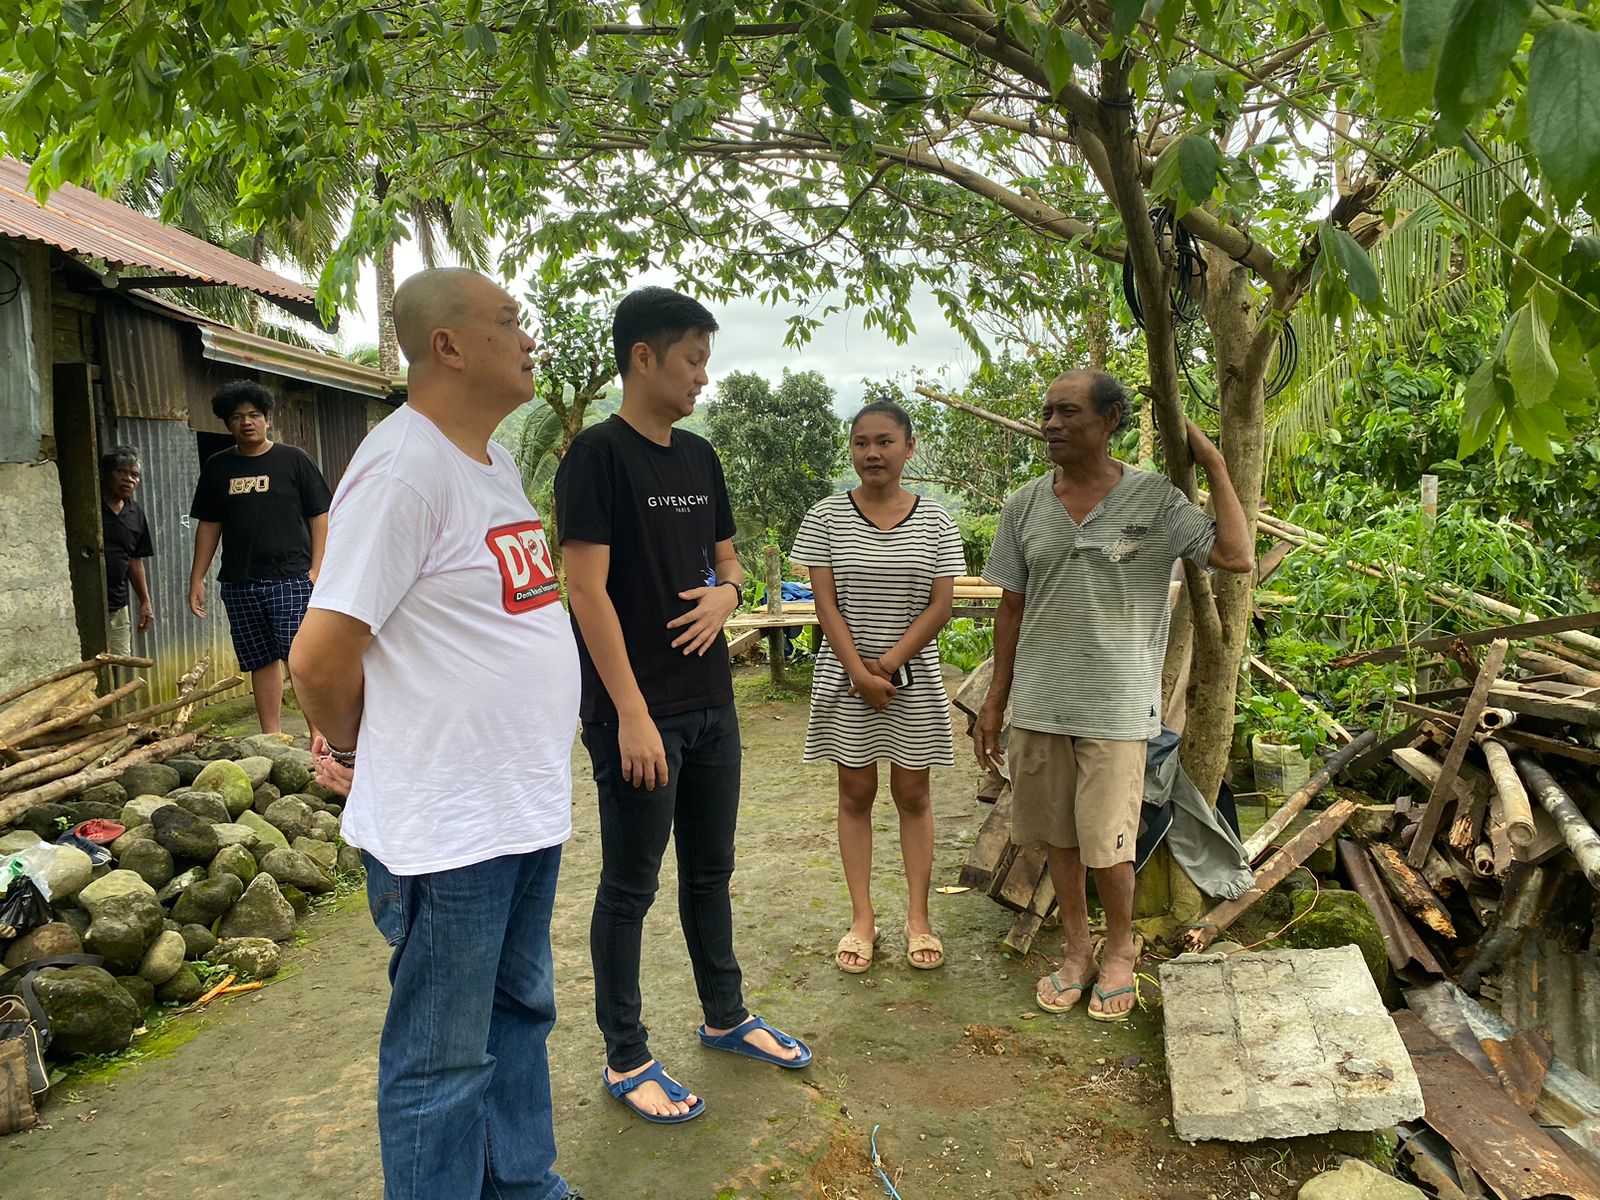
(851, 944)
(1101, 1014)
(924, 942)
(655, 1073)
(1061, 990)
(733, 1042)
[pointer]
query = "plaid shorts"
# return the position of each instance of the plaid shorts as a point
(263, 616)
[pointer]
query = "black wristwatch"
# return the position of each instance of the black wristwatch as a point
(738, 588)
(345, 758)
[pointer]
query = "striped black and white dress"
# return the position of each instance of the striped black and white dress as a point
(883, 579)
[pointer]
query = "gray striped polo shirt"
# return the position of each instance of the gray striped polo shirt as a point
(1094, 629)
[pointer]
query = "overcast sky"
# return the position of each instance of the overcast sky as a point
(751, 339)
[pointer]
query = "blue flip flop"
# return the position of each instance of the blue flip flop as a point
(733, 1042)
(656, 1073)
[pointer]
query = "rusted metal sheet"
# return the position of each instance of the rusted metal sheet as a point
(171, 460)
(1556, 991)
(79, 222)
(151, 367)
(1401, 941)
(1521, 1062)
(269, 356)
(341, 424)
(1514, 1155)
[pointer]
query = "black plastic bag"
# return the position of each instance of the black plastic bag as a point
(22, 908)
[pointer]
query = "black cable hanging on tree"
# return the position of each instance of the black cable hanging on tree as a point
(1188, 296)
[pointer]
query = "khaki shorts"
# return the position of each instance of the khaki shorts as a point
(1076, 792)
(119, 631)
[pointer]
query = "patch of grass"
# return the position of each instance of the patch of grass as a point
(754, 685)
(164, 1038)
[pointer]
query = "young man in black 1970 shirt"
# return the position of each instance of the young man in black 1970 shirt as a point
(652, 576)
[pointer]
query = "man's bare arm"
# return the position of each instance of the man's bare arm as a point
(325, 666)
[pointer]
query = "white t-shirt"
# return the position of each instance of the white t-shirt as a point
(471, 699)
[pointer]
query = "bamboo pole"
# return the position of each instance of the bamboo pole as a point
(1261, 839)
(13, 807)
(1536, 661)
(1508, 787)
(1579, 835)
(1277, 869)
(69, 719)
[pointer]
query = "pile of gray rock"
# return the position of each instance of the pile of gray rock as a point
(224, 850)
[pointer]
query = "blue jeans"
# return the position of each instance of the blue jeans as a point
(463, 1076)
(700, 808)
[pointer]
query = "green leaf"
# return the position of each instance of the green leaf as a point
(1422, 24)
(1359, 274)
(1166, 14)
(1564, 107)
(1480, 411)
(1125, 15)
(1400, 92)
(1531, 434)
(1479, 41)
(1198, 165)
(1529, 363)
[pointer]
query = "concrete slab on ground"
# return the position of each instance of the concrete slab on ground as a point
(1281, 1044)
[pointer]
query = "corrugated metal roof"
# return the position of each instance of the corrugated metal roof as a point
(78, 221)
(222, 344)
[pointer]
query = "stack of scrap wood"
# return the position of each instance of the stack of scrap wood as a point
(59, 735)
(1018, 877)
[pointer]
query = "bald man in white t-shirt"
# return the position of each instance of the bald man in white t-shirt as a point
(441, 669)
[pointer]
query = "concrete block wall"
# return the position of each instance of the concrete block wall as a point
(38, 630)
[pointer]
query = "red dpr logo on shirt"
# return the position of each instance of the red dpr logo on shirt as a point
(527, 576)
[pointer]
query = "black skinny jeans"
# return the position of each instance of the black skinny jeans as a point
(700, 807)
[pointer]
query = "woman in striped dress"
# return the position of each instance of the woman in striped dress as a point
(883, 566)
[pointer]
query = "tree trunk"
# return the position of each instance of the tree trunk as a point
(1219, 649)
(388, 343)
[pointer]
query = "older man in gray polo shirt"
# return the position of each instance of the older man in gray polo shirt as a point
(1083, 556)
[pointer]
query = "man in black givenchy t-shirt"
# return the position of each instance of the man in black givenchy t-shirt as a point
(127, 545)
(652, 576)
(268, 505)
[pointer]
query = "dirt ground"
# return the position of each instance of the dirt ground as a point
(973, 1092)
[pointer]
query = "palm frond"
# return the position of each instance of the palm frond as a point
(1427, 267)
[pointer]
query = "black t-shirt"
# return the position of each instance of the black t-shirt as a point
(662, 510)
(127, 537)
(264, 503)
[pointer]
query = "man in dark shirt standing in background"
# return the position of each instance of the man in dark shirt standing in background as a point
(127, 545)
(268, 505)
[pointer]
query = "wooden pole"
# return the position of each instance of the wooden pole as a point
(189, 701)
(1535, 661)
(88, 664)
(774, 564)
(29, 765)
(14, 806)
(1277, 869)
(125, 740)
(1579, 835)
(1443, 788)
(1261, 839)
(1513, 796)
(68, 719)
(1411, 890)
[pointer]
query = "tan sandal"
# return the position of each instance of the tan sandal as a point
(851, 944)
(922, 943)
